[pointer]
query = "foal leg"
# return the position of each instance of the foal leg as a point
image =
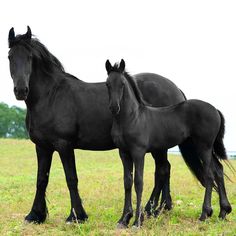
(138, 158)
(162, 177)
(225, 207)
(209, 178)
(128, 182)
(77, 213)
(38, 212)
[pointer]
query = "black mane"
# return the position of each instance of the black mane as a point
(39, 51)
(132, 83)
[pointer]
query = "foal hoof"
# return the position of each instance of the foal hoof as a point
(206, 214)
(121, 226)
(135, 227)
(224, 212)
(138, 222)
(80, 218)
(35, 217)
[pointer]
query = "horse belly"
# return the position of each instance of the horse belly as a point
(168, 139)
(94, 139)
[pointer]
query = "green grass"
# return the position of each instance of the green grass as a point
(101, 188)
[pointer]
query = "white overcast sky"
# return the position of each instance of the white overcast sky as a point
(193, 43)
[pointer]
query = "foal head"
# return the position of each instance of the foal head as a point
(115, 84)
(119, 81)
(20, 58)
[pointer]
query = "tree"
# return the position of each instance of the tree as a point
(12, 122)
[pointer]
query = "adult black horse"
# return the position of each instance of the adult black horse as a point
(64, 113)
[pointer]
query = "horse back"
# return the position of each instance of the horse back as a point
(158, 91)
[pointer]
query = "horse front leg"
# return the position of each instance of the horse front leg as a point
(77, 213)
(128, 182)
(38, 212)
(138, 158)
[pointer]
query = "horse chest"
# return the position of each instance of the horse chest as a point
(118, 137)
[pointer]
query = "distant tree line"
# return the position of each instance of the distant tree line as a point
(12, 122)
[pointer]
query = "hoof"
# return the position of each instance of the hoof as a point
(138, 222)
(135, 227)
(121, 226)
(148, 214)
(35, 217)
(224, 212)
(159, 210)
(168, 206)
(125, 219)
(80, 218)
(206, 214)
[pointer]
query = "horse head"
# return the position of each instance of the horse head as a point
(20, 59)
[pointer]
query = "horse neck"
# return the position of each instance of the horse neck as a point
(41, 84)
(130, 107)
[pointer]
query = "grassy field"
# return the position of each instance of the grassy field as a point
(101, 188)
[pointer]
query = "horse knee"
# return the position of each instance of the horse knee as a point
(42, 183)
(128, 182)
(138, 181)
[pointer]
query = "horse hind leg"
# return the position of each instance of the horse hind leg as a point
(225, 207)
(162, 184)
(206, 157)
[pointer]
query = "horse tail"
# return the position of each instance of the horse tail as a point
(219, 147)
(192, 159)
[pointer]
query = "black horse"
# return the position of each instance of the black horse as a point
(138, 129)
(64, 113)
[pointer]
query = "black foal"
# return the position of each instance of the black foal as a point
(138, 129)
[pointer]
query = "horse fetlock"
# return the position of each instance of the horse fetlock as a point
(77, 216)
(206, 213)
(35, 217)
(224, 211)
(125, 219)
(150, 208)
(139, 220)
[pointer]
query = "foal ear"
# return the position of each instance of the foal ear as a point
(11, 37)
(108, 67)
(122, 65)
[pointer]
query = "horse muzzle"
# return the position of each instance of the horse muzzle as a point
(21, 93)
(115, 109)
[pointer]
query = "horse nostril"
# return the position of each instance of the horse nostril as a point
(15, 90)
(26, 90)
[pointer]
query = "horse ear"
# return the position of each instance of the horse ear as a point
(28, 34)
(108, 66)
(11, 37)
(122, 65)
